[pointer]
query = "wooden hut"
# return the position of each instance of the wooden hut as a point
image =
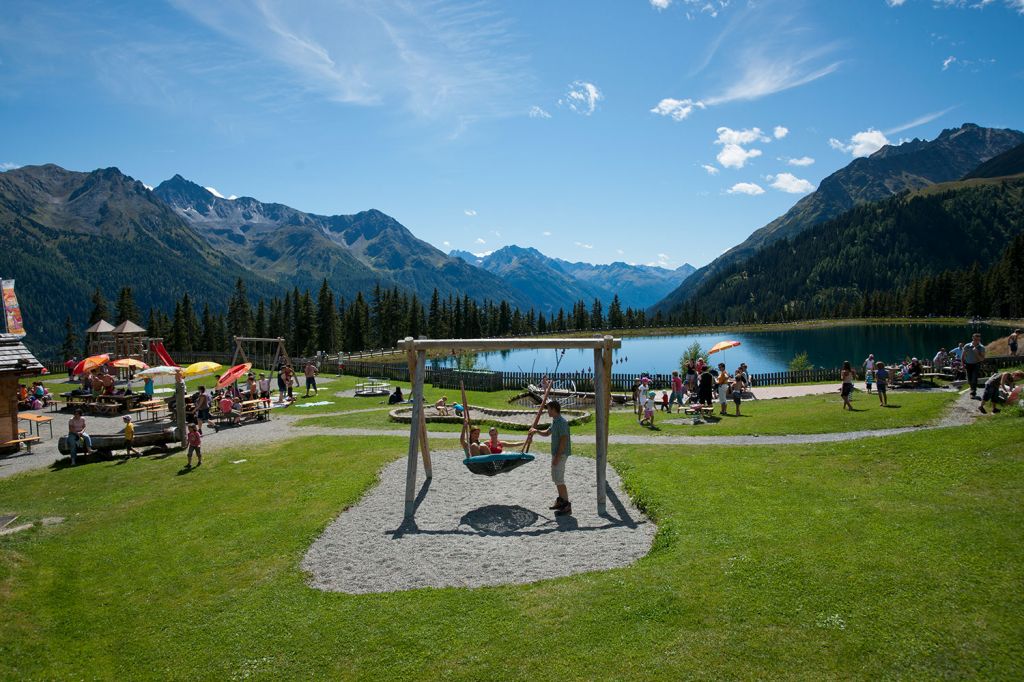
(16, 363)
(100, 338)
(130, 340)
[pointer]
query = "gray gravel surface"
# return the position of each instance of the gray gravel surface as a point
(472, 531)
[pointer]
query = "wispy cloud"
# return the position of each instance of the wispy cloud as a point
(546, 233)
(800, 161)
(436, 58)
(919, 121)
(750, 188)
(584, 246)
(582, 98)
(711, 170)
(480, 240)
(693, 7)
(8, 165)
(470, 212)
(948, 61)
(538, 112)
(768, 50)
(1017, 5)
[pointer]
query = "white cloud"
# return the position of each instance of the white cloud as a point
(947, 62)
(660, 4)
(538, 112)
(483, 254)
(735, 156)
(800, 161)
(470, 212)
(584, 246)
(980, 4)
(745, 136)
(8, 165)
(711, 170)
(780, 132)
(677, 109)
(480, 241)
(864, 143)
(894, 3)
(582, 98)
(787, 182)
(446, 243)
(214, 192)
(149, 187)
(546, 233)
(620, 252)
(750, 188)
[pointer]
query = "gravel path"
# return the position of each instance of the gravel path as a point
(472, 531)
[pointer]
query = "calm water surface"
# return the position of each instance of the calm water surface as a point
(762, 351)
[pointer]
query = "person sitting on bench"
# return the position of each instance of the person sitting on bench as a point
(76, 431)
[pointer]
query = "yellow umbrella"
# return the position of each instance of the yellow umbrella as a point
(130, 362)
(198, 369)
(723, 345)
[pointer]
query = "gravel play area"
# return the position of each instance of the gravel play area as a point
(472, 531)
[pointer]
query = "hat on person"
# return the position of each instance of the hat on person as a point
(127, 417)
(650, 394)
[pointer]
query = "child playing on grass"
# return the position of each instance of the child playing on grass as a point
(649, 409)
(195, 444)
(664, 401)
(869, 377)
(561, 448)
(129, 437)
(881, 380)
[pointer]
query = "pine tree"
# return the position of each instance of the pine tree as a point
(260, 324)
(100, 311)
(239, 311)
(305, 339)
(207, 337)
(615, 318)
(327, 322)
(70, 347)
(126, 308)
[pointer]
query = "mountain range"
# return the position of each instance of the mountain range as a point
(892, 169)
(73, 232)
(560, 283)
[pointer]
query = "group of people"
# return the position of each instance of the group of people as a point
(699, 383)
(35, 398)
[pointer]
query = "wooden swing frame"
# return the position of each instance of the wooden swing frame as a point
(279, 353)
(416, 355)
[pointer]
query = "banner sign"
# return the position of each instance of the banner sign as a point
(12, 311)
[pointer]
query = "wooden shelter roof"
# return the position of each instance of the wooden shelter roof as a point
(101, 327)
(16, 358)
(128, 327)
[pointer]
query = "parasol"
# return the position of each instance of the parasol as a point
(90, 363)
(198, 369)
(158, 371)
(233, 374)
(130, 362)
(723, 345)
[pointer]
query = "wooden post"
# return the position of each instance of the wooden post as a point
(179, 408)
(601, 416)
(421, 364)
(414, 427)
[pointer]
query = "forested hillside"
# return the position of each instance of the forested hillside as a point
(874, 259)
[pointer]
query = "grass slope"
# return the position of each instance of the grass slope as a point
(894, 559)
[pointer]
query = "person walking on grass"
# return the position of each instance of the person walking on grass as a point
(1011, 341)
(310, 370)
(739, 384)
(973, 356)
(129, 437)
(202, 407)
(195, 445)
(882, 383)
(561, 448)
(848, 377)
(677, 392)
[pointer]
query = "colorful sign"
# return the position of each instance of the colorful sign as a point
(12, 311)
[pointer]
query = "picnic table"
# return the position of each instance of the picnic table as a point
(72, 399)
(38, 420)
(256, 408)
(152, 408)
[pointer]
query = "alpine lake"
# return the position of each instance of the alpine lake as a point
(767, 351)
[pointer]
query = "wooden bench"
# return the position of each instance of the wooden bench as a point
(26, 440)
(256, 412)
(110, 409)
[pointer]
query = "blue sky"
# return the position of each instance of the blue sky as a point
(649, 131)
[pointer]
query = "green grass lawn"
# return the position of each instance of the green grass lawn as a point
(865, 560)
(807, 414)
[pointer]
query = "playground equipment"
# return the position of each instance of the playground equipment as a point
(493, 463)
(416, 353)
(260, 355)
